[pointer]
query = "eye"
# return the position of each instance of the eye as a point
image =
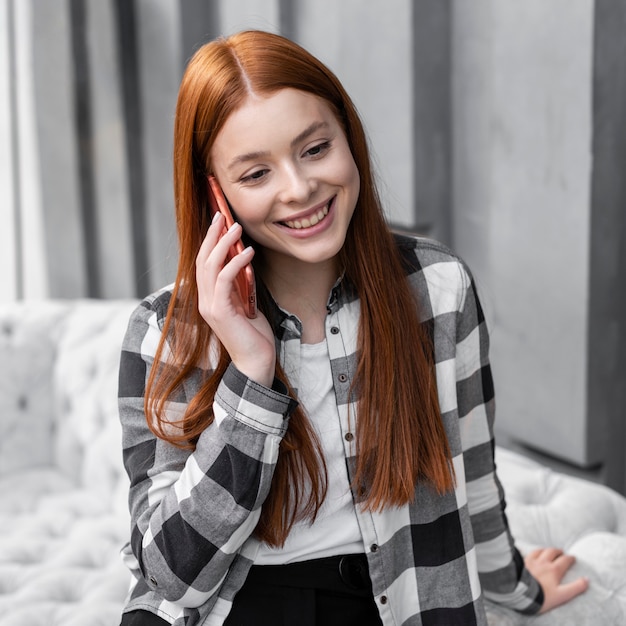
(318, 149)
(254, 177)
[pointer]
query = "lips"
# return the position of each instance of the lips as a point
(309, 220)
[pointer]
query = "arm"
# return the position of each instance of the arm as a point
(503, 576)
(191, 512)
(531, 585)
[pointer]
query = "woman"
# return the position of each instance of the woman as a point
(329, 460)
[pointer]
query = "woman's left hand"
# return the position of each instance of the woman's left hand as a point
(549, 566)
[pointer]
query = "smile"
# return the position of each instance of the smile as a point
(307, 222)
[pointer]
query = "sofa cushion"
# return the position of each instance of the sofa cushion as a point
(59, 552)
(88, 437)
(63, 489)
(587, 520)
(28, 341)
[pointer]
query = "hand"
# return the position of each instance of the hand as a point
(249, 342)
(549, 566)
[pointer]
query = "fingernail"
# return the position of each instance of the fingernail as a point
(215, 217)
(248, 250)
(233, 228)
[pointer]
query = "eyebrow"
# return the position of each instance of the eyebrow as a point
(307, 132)
(253, 156)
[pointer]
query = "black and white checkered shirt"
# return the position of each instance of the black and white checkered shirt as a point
(193, 514)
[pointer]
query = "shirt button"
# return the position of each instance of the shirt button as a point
(383, 599)
(342, 378)
(374, 547)
(348, 436)
(334, 330)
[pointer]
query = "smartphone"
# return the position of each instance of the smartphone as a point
(245, 279)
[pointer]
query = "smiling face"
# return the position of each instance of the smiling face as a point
(285, 166)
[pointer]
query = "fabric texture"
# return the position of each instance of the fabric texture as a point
(334, 591)
(336, 529)
(63, 489)
(194, 513)
(64, 517)
(142, 618)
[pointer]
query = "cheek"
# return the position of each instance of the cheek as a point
(353, 180)
(347, 169)
(250, 214)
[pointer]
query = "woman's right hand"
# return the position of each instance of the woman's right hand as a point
(249, 342)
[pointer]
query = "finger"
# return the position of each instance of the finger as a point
(224, 293)
(563, 563)
(229, 272)
(565, 593)
(550, 554)
(209, 242)
(228, 239)
(215, 248)
(209, 261)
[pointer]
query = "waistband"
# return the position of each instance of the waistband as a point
(348, 572)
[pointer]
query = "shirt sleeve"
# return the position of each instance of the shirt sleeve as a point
(192, 511)
(503, 576)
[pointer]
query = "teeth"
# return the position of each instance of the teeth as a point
(310, 221)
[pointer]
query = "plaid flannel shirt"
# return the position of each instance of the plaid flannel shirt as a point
(193, 514)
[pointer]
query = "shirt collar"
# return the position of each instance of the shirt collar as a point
(286, 325)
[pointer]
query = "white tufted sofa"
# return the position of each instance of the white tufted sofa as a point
(63, 514)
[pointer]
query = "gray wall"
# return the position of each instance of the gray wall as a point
(539, 149)
(88, 199)
(522, 155)
(496, 125)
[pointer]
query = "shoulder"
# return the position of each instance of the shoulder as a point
(157, 302)
(434, 270)
(154, 305)
(147, 318)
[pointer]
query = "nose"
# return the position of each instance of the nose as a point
(296, 185)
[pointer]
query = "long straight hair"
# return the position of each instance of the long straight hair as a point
(400, 438)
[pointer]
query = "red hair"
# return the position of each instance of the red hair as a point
(400, 438)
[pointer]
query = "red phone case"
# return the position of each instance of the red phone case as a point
(245, 279)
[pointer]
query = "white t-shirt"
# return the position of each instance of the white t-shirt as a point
(335, 530)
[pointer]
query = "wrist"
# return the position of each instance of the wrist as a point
(262, 374)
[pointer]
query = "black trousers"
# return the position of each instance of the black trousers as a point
(142, 618)
(335, 591)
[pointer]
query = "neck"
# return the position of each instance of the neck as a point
(302, 289)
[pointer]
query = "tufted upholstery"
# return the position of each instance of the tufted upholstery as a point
(63, 515)
(546, 508)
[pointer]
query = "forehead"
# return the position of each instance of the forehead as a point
(263, 121)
